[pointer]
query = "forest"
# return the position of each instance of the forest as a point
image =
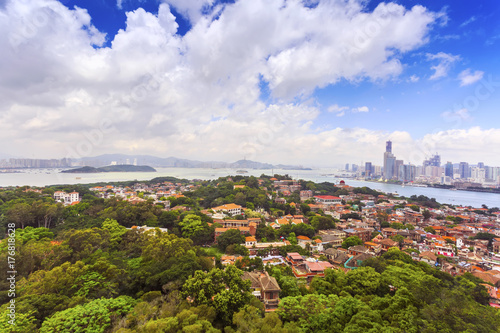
(82, 268)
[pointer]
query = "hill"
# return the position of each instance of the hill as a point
(112, 168)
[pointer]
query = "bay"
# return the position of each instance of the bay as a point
(45, 177)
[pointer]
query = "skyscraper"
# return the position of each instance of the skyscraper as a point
(433, 161)
(368, 169)
(389, 162)
(463, 170)
(407, 172)
(448, 169)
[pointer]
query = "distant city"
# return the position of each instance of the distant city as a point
(460, 175)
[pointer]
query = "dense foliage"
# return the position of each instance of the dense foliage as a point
(81, 268)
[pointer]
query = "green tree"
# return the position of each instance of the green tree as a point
(351, 241)
(222, 289)
(430, 230)
(229, 237)
(95, 316)
(322, 223)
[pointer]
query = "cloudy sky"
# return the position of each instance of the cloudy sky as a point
(311, 82)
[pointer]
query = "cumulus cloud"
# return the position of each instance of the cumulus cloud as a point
(197, 95)
(463, 144)
(468, 77)
(445, 62)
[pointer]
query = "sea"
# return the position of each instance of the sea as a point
(45, 177)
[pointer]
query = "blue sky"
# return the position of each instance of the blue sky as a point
(317, 83)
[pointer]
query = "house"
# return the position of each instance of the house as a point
(231, 209)
(388, 232)
(265, 288)
(67, 198)
(331, 239)
(357, 260)
(387, 244)
(303, 240)
(357, 249)
(428, 257)
(294, 259)
(317, 267)
(250, 241)
(328, 199)
(336, 257)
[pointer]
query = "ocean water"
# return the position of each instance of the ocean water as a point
(44, 177)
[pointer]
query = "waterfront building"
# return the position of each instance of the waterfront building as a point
(368, 169)
(464, 170)
(448, 169)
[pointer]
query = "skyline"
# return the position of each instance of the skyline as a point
(315, 83)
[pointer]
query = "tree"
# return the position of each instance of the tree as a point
(194, 228)
(322, 223)
(229, 237)
(415, 208)
(222, 289)
(95, 316)
(427, 214)
(116, 231)
(351, 241)
(430, 230)
(398, 238)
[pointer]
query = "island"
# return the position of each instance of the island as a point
(112, 168)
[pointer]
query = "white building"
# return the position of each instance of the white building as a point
(66, 198)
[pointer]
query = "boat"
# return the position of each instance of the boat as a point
(241, 171)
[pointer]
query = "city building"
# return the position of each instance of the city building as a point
(464, 170)
(368, 169)
(448, 169)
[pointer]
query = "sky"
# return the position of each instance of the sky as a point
(317, 83)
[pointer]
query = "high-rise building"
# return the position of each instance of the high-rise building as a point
(433, 161)
(397, 164)
(480, 165)
(464, 170)
(368, 169)
(448, 169)
(390, 170)
(347, 167)
(388, 147)
(389, 165)
(407, 172)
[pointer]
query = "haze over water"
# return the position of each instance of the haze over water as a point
(45, 177)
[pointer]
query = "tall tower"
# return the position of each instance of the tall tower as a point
(389, 162)
(388, 147)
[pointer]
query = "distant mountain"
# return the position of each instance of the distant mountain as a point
(112, 168)
(246, 164)
(174, 162)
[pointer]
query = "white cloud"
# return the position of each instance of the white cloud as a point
(469, 21)
(119, 4)
(198, 95)
(464, 144)
(466, 77)
(459, 115)
(360, 109)
(339, 110)
(445, 62)
(413, 78)
(191, 9)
